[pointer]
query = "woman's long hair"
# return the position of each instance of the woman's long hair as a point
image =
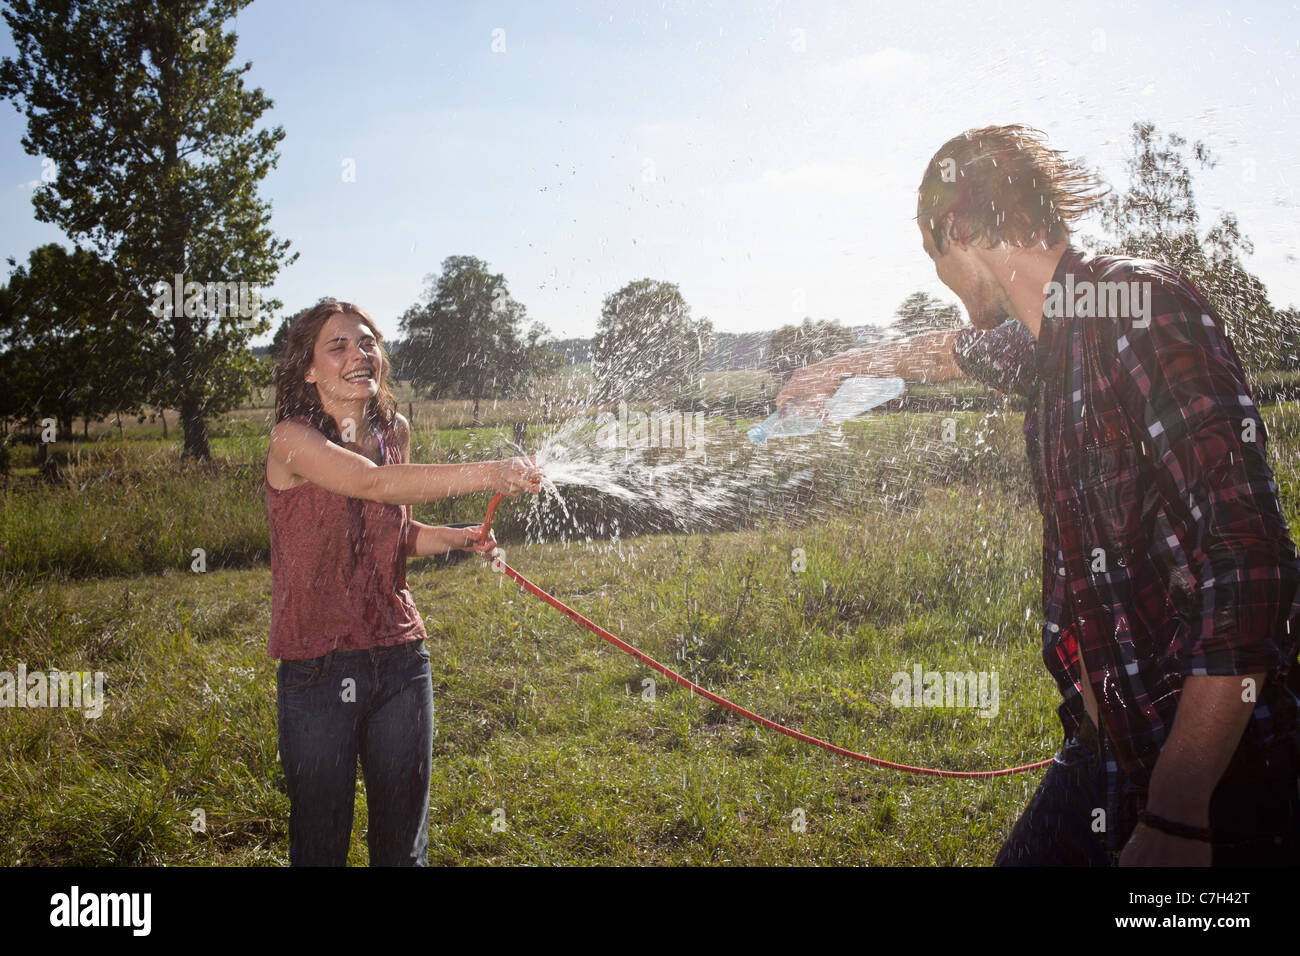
(294, 396)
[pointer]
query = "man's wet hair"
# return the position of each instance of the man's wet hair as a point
(1003, 185)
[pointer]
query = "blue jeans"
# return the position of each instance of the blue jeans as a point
(373, 704)
(1056, 827)
(1254, 814)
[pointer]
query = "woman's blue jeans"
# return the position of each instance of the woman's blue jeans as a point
(376, 705)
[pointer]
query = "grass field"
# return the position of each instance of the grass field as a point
(899, 552)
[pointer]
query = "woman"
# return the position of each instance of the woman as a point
(354, 679)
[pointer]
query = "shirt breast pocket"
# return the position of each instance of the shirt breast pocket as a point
(1107, 480)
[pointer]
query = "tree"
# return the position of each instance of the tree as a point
(71, 351)
(154, 162)
(1288, 323)
(737, 350)
(924, 313)
(647, 344)
(575, 351)
(281, 338)
(537, 356)
(19, 370)
(1156, 218)
(467, 337)
(794, 346)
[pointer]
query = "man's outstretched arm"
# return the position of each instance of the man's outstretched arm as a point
(927, 357)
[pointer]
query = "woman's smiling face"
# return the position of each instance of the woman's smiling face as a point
(346, 365)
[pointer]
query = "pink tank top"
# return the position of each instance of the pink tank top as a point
(338, 570)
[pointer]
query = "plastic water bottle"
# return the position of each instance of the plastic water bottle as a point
(855, 396)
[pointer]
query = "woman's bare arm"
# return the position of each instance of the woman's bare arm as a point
(307, 453)
(425, 540)
(927, 357)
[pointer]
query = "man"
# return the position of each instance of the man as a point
(1170, 582)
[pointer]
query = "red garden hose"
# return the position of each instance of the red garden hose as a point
(697, 689)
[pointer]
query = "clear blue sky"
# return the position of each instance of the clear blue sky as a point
(763, 156)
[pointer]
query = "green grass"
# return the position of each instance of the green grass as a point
(540, 718)
(535, 716)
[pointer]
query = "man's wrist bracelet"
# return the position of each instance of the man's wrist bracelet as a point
(1174, 828)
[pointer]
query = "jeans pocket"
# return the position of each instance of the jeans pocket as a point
(300, 675)
(419, 650)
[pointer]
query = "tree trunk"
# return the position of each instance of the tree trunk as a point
(192, 423)
(49, 468)
(85, 428)
(187, 365)
(163, 415)
(119, 425)
(196, 432)
(476, 419)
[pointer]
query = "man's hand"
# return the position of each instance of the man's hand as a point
(927, 357)
(815, 381)
(1148, 847)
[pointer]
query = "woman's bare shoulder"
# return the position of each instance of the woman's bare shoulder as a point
(402, 432)
(290, 431)
(287, 436)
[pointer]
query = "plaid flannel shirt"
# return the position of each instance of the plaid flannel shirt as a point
(1165, 552)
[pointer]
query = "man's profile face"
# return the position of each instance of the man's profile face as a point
(962, 271)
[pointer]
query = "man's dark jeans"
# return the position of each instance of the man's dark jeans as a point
(1255, 820)
(384, 716)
